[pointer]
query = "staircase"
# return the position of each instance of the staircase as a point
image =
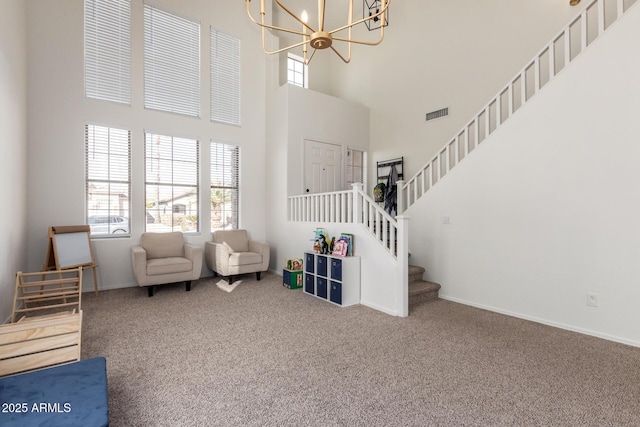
(392, 234)
(583, 30)
(420, 290)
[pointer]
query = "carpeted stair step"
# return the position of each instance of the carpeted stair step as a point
(419, 289)
(422, 291)
(415, 273)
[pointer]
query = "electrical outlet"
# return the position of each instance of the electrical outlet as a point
(592, 299)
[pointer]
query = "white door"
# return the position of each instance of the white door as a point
(322, 166)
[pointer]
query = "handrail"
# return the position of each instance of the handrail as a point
(322, 207)
(347, 207)
(557, 54)
(378, 222)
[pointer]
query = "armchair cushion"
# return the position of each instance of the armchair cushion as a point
(244, 258)
(232, 253)
(238, 240)
(229, 248)
(169, 265)
(163, 245)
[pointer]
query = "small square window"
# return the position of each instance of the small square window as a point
(297, 71)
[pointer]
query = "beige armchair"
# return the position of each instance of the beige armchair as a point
(165, 258)
(232, 253)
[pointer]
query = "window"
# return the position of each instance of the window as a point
(107, 50)
(297, 71)
(108, 180)
(356, 167)
(171, 183)
(225, 78)
(224, 186)
(171, 63)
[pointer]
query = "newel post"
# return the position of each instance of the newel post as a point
(357, 202)
(402, 267)
(400, 200)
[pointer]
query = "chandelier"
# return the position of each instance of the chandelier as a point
(375, 16)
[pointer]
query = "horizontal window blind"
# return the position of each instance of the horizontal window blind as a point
(225, 190)
(108, 179)
(225, 78)
(171, 63)
(171, 183)
(107, 48)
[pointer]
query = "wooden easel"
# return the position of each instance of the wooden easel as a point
(67, 248)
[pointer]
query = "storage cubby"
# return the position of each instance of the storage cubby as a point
(332, 278)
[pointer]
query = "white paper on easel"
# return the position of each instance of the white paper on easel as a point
(72, 249)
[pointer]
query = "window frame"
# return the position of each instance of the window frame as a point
(172, 75)
(90, 182)
(107, 50)
(295, 59)
(225, 78)
(178, 161)
(232, 163)
(349, 167)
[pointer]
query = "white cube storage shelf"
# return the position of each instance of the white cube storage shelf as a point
(332, 278)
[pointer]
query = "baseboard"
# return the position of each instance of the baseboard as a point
(108, 287)
(378, 308)
(558, 325)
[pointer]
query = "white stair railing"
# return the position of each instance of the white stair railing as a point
(346, 207)
(571, 41)
(355, 207)
(322, 207)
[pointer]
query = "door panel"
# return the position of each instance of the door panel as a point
(322, 167)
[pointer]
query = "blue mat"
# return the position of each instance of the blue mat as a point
(68, 395)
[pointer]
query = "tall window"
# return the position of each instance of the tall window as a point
(297, 71)
(107, 50)
(224, 186)
(356, 167)
(171, 183)
(108, 180)
(225, 78)
(171, 63)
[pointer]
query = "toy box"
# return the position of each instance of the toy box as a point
(292, 279)
(294, 264)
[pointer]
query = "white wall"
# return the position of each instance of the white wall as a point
(13, 145)
(438, 54)
(296, 114)
(546, 210)
(58, 112)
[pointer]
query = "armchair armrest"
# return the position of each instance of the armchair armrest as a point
(139, 264)
(217, 257)
(194, 253)
(262, 249)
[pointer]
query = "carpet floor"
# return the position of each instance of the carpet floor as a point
(264, 355)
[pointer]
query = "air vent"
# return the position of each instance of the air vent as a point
(437, 114)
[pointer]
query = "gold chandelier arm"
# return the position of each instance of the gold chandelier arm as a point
(364, 42)
(321, 9)
(271, 52)
(286, 9)
(306, 61)
(273, 27)
(346, 60)
(381, 12)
